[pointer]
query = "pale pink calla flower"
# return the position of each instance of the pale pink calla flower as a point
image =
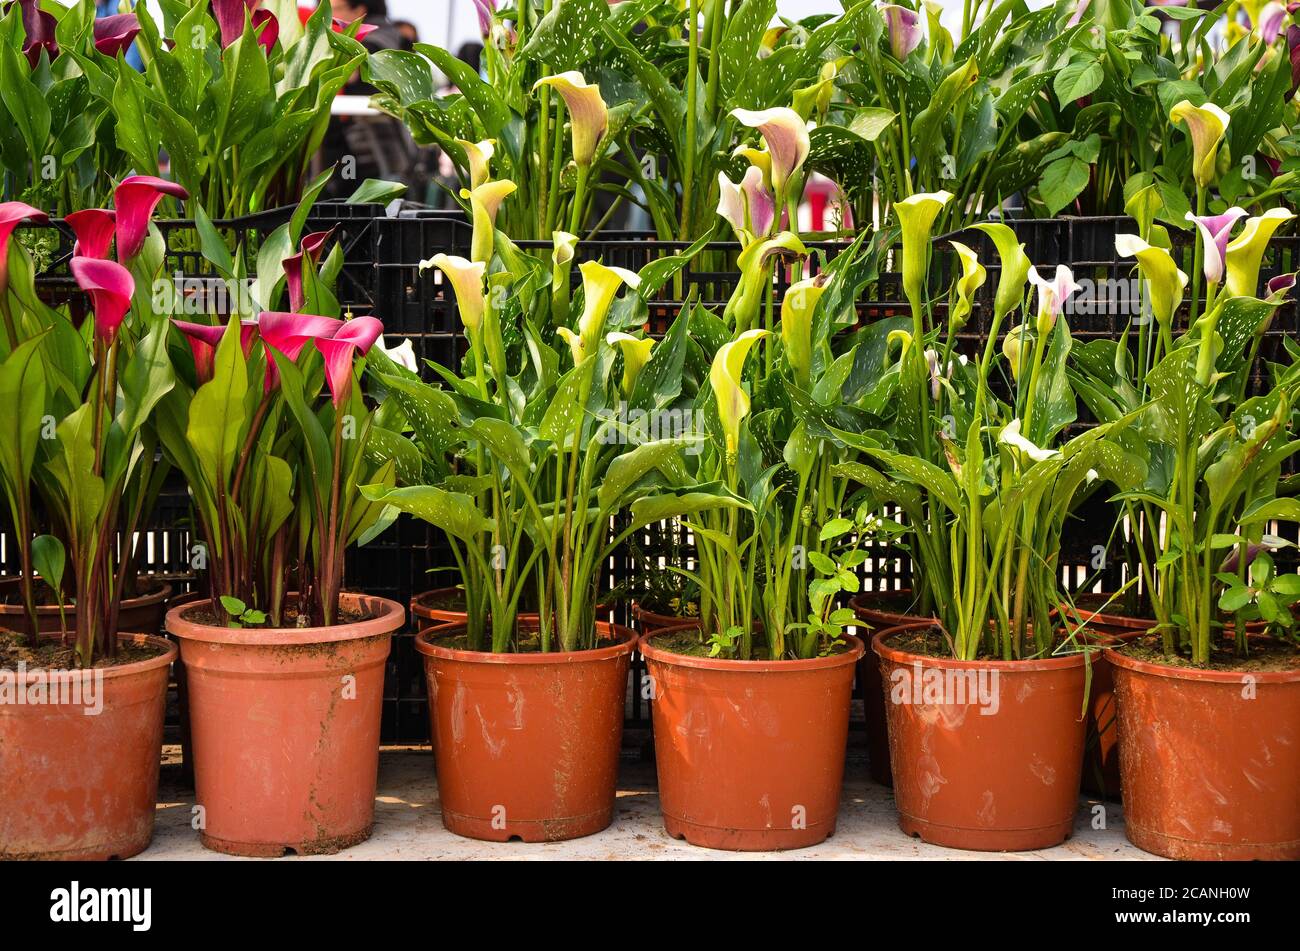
(1216, 232)
(94, 230)
(110, 287)
(786, 135)
(905, 33)
(135, 200)
(11, 214)
(364, 30)
(1270, 23)
(1052, 295)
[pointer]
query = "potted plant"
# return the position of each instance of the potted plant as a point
(524, 457)
(990, 697)
(284, 668)
(81, 711)
(1207, 669)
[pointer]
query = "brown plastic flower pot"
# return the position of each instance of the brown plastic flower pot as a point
(78, 784)
(986, 755)
(526, 745)
(750, 753)
(286, 728)
(879, 611)
(141, 615)
(1209, 760)
(447, 606)
(651, 622)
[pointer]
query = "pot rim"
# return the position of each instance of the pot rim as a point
(843, 659)
(392, 617)
(447, 614)
(900, 656)
(626, 644)
(117, 671)
(1233, 677)
(642, 613)
(157, 596)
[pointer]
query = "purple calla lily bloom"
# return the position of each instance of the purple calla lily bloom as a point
(94, 230)
(1216, 232)
(135, 200)
(230, 15)
(1280, 287)
(110, 287)
(905, 32)
(115, 34)
(269, 35)
(486, 10)
(39, 28)
(1270, 23)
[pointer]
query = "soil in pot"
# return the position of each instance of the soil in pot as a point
(1210, 756)
(80, 749)
(879, 611)
(141, 614)
(526, 745)
(750, 754)
(986, 754)
(285, 726)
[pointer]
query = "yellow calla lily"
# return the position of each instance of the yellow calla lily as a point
(761, 158)
(973, 275)
(466, 279)
(588, 114)
(575, 344)
(484, 202)
(1246, 251)
(1164, 281)
(479, 155)
(636, 354)
(599, 285)
(755, 274)
(725, 378)
(916, 214)
(1015, 268)
(1206, 125)
(817, 97)
(564, 247)
(798, 308)
(1014, 346)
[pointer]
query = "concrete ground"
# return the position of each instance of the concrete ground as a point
(408, 824)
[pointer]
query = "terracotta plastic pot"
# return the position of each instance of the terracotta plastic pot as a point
(286, 728)
(433, 606)
(649, 622)
(879, 611)
(750, 753)
(78, 784)
(526, 745)
(142, 615)
(1209, 760)
(986, 755)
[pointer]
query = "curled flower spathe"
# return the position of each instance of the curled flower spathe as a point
(115, 34)
(973, 275)
(110, 287)
(904, 25)
(798, 308)
(636, 354)
(1052, 295)
(1215, 232)
(728, 389)
(1015, 267)
(916, 214)
(1164, 282)
(1011, 436)
(786, 136)
(355, 337)
(1243, 255)
(485, 201)
(1206, 125)
(748, 207)
(600, 284)
(479, 157)
(588, 114)
(466, 279)
(135, 200)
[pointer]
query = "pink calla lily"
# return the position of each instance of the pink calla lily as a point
(39, 28)
(267, 29)
(1052, 295)
(11, 214)
(905, 32)
(359, 334)
(289, 334)
(135, 200)
(341, 26)
(1270, 23)
(203, 340)
(311, 248)
(786, 135)
(94, 230)
(486, 10)
(230, 15)
(1216, 232)
(115, 34)
(110, 287)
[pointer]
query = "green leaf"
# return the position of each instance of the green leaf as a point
(218, 411)
(453, 512)
(377, 191)
(1080, 78)
(233, 606)
(1062, 182)
(564, 39)
(48, 559)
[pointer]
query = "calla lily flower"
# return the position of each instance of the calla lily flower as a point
(115, 34)
(1245, 252)
(311, 247)
(772, 36)
(39, 28)
(203, 340)
(135, 200)
(1270, 23)
(110, 287)
(725, 378)
(973, 276)
(479, 155)
(748, 207)
(1011, 436)
(798, 308)
(486, 10)
(817, 97)
(1165, 282)
(355, 336)
(588, 115)
(267, 29)
(1206, 125)
(743, 306)
(576, 348)
(1216, 232)
(1015, 266)
(1013, 348)
(1280, 287)
(904, 25)
(363, 29)
(599, 285)
(786, 135)
(1052, 295)
(484, 202)
(466, 279)
(230, 15)
(290, 333)
(916, 214)
(759, 157)
(403, 354)
(11, 214)
(94, 230)
(564, 246)
(636, 354)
